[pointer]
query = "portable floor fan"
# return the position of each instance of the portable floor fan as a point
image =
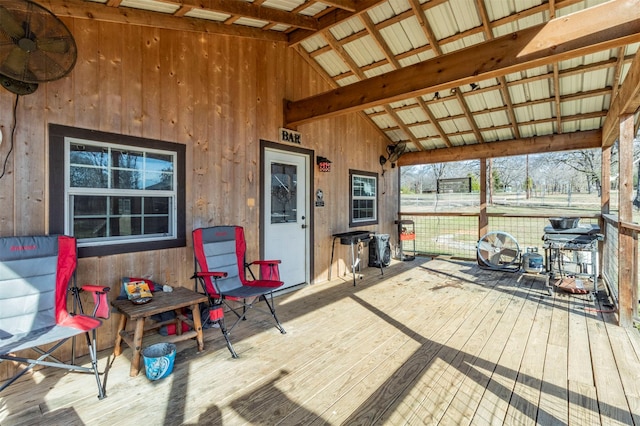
(35, 46)
(499, 251)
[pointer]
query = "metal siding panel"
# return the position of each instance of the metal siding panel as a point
(347, 28)
(331, 63)
(155, 6)
(364, 51)
(209, 15)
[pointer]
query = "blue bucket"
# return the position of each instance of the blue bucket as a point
(158, 360)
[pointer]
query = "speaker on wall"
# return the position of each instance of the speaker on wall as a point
(379, 250)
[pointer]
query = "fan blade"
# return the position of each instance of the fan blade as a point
(495, 259)
(42, 65)
(485, 246)
(10, 25)
(511, 253)
(500, 239)
(53, 45)
(16, 62)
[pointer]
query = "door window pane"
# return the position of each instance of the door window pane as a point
(283, 193)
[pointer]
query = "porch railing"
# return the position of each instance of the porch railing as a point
(456, 235)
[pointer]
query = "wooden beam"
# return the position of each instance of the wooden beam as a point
(99, 12)
(551, 143)
(598, 28)
(626, 101)
(250, 10)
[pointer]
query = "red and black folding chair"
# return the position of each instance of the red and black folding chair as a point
(221, 271)
(35, 276)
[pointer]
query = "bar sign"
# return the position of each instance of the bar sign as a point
(290, 136)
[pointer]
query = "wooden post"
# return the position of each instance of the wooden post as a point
(626, 261)
(605, 181)
(483, 219)
(605, 198)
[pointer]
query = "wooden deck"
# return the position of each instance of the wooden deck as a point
(430, 342)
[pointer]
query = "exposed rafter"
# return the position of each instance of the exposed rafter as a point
(626, 101)
(592, 31)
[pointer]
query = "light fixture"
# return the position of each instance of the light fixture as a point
(474, 86)
(436, 96)
(453, 90)
(324, 164)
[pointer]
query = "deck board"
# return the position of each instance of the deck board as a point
(429, 342)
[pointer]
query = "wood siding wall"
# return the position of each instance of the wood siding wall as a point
(218, 95)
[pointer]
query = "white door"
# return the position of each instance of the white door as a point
(286, 230)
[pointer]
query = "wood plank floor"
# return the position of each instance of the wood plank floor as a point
(429, 342)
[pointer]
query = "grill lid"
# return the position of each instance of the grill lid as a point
(587, 229)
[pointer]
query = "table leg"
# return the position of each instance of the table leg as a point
(178, 322)
(197, 324)
(117, 348)
(137, 348)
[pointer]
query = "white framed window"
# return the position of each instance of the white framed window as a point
(119, 194)
(363, 201)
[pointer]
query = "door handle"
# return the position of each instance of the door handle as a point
(304, 226)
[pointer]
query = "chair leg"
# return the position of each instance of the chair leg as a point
(273, 312)
(225, 333)
(94, 363)
(216, 314)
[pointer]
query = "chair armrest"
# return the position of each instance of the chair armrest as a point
(266, 262)
(95, 288)
(100, 300)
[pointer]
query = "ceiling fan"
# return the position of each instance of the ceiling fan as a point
(35, 46)
(394, 151)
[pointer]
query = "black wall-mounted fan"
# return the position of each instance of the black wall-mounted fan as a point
(35, 46)
(394, 151)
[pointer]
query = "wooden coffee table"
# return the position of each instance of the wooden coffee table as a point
(179, 298)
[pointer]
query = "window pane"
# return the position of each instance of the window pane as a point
(127, 169)
(88, 155)
(364, 187)
(157, 205)
(126, 179)
(363, 209)
(125, 226)
(90, 227)
(158, 181)
(159, 163)
(283, 193)
(127, 159)
(84, 177)
(85, 205)
(156, 225)
(126, 205)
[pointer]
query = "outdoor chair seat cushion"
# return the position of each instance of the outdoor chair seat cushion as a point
(67, 328)
(256, 288)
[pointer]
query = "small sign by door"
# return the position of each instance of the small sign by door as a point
(290, 136)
